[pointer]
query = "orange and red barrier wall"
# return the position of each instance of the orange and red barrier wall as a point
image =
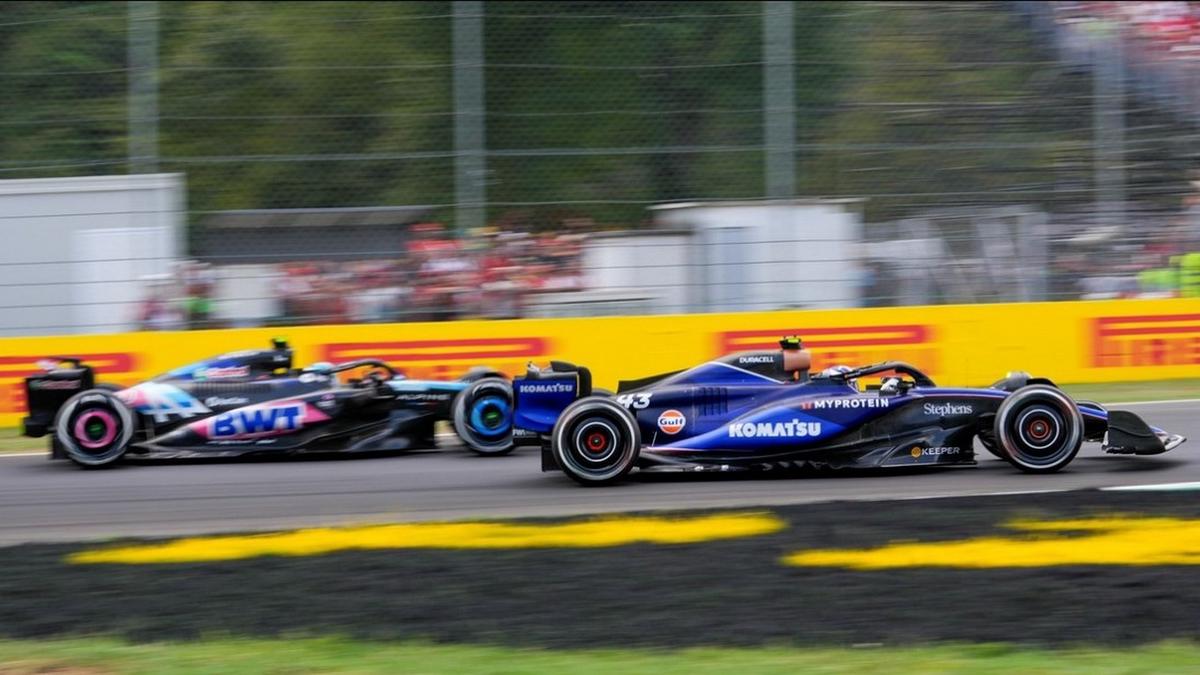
(1099, 341)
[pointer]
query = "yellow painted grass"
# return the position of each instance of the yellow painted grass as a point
(594, 533)
(1092, 541)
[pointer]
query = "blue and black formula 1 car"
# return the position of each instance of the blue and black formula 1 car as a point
(763, 411)
(254, 402)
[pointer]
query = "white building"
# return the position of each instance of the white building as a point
(79, 253)
(724, 257)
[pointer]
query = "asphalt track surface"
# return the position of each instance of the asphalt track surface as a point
(43, 501)
(736, 591)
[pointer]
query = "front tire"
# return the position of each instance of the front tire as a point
(483, 416)
(596, 441)
(1039, 429)
(94, 428)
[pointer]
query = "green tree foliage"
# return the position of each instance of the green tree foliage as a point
(666, 100)
(287, 101)
(62, 110)
(594, 108)
(945, 108)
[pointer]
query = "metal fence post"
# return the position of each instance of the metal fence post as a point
(470, 164)
(779, 99)
(143, 86)
(1108, 91)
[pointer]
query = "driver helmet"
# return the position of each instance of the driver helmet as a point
(838, 370)
(890, 386)
(323, 367)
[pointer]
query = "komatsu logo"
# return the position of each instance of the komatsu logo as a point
(947, 409)
(255, 421)
(548, 388)
(792, 429)
(845, 403)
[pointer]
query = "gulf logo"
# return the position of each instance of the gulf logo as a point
(671, 422)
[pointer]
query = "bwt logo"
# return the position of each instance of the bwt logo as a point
(253, 422)
(443, 359)
(848, 345)
(1140, 341)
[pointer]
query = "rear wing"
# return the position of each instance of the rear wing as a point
(46, 392)
(584, 375)
(541, 394)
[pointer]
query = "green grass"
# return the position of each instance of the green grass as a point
(11, 440)
(329, 655)
(1114, 392)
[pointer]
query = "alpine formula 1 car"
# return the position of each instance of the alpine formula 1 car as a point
(254, 402)
(763, 410)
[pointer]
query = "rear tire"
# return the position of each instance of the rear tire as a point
(483, 416)
(1039, 429)
(94, 428)
(596, 441)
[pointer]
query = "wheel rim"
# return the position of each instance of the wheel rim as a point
(1039, 428)
(483, 417)
(596, 440)
(491, 416)
(95, 429)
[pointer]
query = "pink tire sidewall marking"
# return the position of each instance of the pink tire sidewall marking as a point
(110, 429)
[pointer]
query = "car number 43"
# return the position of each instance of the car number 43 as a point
(635, 401)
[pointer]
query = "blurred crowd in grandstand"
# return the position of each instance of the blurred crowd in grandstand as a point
(1159, 42)
(1150, 255)
(1158, 45)
(1171, 27)
(438, 277)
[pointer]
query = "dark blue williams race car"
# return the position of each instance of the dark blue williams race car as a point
(764, 411)
(254, 403)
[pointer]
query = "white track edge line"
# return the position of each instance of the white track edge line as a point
(1155, 487)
